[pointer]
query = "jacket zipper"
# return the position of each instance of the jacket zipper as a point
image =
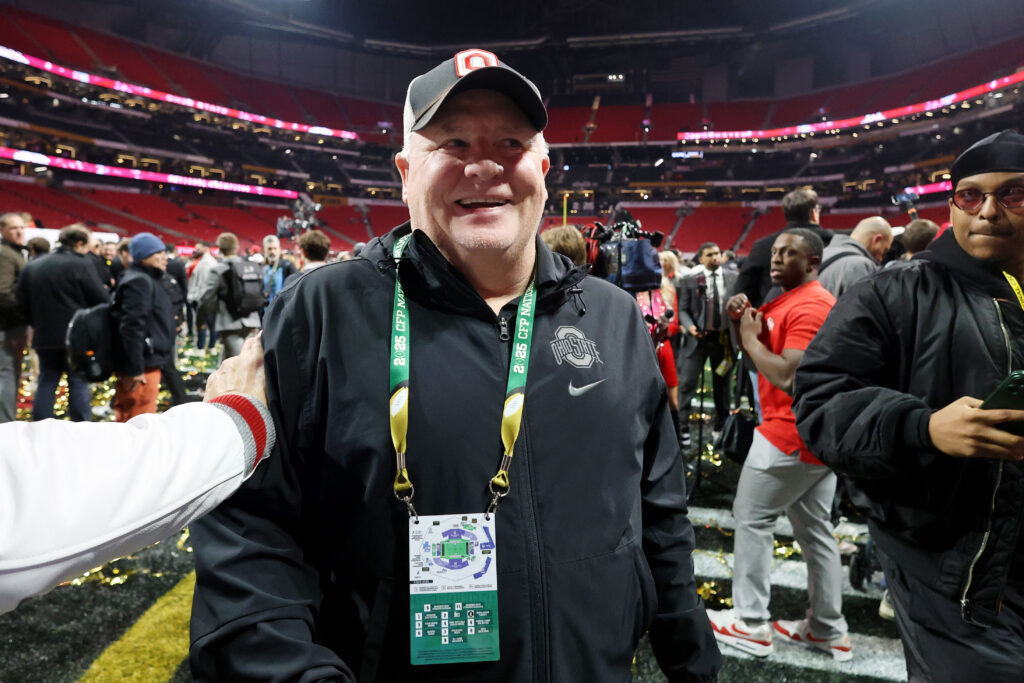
(965, 604)
(535, 567)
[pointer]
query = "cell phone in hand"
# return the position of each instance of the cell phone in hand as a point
(1008, 395)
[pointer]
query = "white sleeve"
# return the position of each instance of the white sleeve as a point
(76, 495)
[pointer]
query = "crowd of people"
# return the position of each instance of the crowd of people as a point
(873, 372)
(159, 302)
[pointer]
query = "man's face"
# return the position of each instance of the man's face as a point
(109, 250)
(790, 263)
(880, 245)
(126, 258)
(201, 250)
(13, 230)
(711, 258)
(991, 233)
(157, 260)
(271, 251)
(474, 177)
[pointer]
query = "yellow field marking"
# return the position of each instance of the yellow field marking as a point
(154, 647)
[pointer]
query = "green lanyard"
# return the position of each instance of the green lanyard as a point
(515, 392)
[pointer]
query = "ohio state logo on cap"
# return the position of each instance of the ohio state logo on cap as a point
(471, 60)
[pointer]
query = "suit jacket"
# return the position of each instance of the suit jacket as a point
(693, 307)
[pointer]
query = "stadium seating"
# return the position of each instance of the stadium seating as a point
(191, 76)
(719, 223)
(58, 40)
(668, 119)
(565, 124)
(125, 59)
(742, 115)
(618, 124)
(383, 217)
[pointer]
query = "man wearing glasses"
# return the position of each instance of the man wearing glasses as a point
(890, 394)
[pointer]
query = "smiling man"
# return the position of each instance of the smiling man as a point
(477, 477)
(890, 394)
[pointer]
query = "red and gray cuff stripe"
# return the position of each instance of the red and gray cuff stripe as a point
(253, 421)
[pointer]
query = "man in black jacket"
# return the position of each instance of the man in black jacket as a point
(889, 394)
(12, 323)
(801, 209)
(145, 326)
(462, 335)
(50, 290)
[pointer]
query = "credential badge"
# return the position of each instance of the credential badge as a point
(570, 345)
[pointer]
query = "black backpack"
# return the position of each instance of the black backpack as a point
(245, 287)
(92, 343)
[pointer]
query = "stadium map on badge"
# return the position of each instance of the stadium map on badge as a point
(453, 589)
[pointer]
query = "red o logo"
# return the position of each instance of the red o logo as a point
(471, 60)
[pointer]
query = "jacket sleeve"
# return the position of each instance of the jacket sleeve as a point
(686, 296)
(92, 286)
(124, 486)
(751, 276)
(209, 288)
(681, 634)
(256, 597)
(135, 299)
(9, 309)
(846, 411)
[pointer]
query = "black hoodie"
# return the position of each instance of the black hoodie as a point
(896, 347)
(303, 574)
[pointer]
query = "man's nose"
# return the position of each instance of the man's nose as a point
(484, 168)
(990, 208)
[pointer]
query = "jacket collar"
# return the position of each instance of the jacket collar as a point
(947, 252)
(430, 279)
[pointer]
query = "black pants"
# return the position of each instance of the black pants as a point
(171, 379)
(941, 648)
(690, 368)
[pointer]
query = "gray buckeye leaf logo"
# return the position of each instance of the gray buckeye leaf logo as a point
(572, 346)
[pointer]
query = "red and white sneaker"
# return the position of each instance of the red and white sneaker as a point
(731, 630)
(800, 632)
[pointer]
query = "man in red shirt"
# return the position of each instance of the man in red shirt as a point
(780, 474)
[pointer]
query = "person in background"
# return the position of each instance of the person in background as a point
(205, 316)
(13, 333)
(916, 237)
(315, 246)
(780, 474)
(702, 317)
(276, 268)
(145, 326)
(566, 240)
(847, 259)
(52, 289)
(37, 246)
(231, 329)
(890, 395)
(123, 260)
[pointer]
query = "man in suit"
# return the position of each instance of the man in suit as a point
(702, 316)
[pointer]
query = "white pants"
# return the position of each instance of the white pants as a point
(771, 483)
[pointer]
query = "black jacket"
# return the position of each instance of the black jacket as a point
(899, 345)
(145, 321)
(50, 290)
(303, 574)
(753, 279)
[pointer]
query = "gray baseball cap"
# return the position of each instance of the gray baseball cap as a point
(470, 70)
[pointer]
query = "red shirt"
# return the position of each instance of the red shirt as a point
(791, 320)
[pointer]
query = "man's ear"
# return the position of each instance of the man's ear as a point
(402, 163)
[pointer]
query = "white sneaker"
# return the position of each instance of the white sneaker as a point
(800, 632)
(731, 630)
(885, 607)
